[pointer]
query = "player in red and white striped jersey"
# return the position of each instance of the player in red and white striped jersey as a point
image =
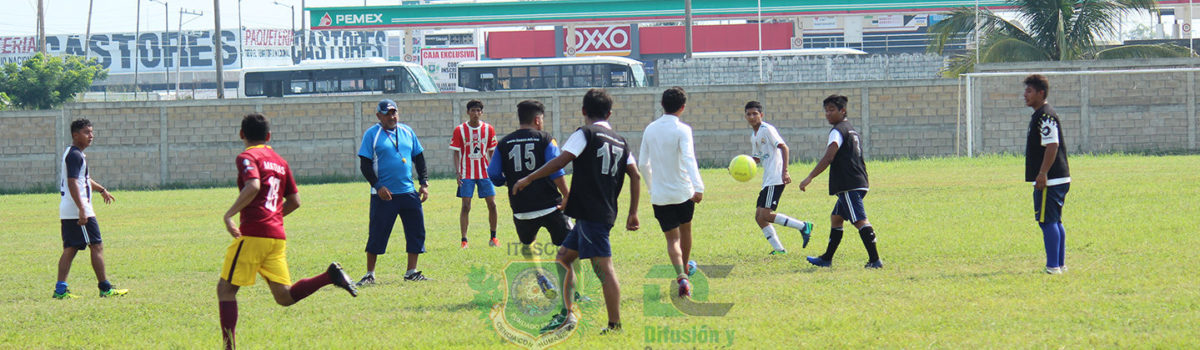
(473, 143)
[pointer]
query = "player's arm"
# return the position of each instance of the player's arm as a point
(830, 152)
(108, 197)
(643, 163)
(635, 189)
(495, 171)
(291, 202)
(1050, 141)
(73, 187)
(786, 153)
(456, 147)
(422, 175)
(561, 183)
(249, 189)
(550, 167)
(688, 149)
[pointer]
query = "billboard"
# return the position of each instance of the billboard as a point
(442, 64)
(597, 41)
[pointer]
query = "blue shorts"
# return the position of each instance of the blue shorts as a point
(383, 217)
(486, 189)
(1048, 204)
(590, 239)
(80, 237)
(850, 206)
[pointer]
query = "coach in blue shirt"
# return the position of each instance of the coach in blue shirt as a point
(388, 154)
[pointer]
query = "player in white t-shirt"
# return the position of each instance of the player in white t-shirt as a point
(768, 149)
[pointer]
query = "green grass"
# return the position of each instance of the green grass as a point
(963, 259)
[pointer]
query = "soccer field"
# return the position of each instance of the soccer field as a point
(963, 268)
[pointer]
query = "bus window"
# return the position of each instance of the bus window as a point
(408, 84)
(390, 85)
(371, 84)
(300, 86)
(254, 84)
(273, 88)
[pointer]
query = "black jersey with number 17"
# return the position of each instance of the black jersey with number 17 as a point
(599, 175)
(522, 152)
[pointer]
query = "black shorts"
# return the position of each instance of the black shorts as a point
(556, 223)
(672, 215)
(80, 237)
(769, 197)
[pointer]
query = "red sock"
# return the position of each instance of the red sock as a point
(229, 315)
(305, 287)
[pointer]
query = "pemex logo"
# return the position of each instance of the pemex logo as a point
(326, 20)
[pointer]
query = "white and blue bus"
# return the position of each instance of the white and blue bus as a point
(550, 73)
(318, 78)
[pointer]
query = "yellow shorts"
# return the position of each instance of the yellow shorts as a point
(248, 256)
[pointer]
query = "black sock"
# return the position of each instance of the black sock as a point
(464, 239)
(104, 286)
(867, 233)
(835, 238)
(493, 233)
(615, 326)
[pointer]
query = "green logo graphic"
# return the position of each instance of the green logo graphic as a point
(516, 308)
(697, 305)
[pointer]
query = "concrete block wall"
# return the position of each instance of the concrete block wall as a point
(740, 70)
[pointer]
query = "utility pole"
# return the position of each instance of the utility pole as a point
(292, 9)
(303, 31)
(687, 29)
(41, 28)
(217, 52)
(166, 40)
(137, 41)
(87, 33)
(179, 56)
(241, 38)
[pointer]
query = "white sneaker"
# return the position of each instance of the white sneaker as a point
(1063, 268)
(1053, 271)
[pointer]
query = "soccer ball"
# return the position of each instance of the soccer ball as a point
(742, 168)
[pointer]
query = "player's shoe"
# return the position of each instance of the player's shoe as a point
(614, 329)
(819, 261)
(1062, 269)
(685, 288)
(877, 264)
(1053, 270)
(113, 292)
(559, 323)
(692, 267)
(416, 276)
(463, 245)
(806, 233)
(547, 287)
(580, 298)
(65, 295)
(367, 280)
(778, 252)
(494, 242)
(340, 279)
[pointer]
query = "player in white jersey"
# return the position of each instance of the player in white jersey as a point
(769, 149)
(80, 230)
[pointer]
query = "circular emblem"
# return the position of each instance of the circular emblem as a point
(408, 58)
(570, 51)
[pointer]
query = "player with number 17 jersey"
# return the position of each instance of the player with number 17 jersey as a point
(264, 216)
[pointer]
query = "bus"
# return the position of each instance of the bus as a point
(318, 78)
(832, 51)
(550, 73)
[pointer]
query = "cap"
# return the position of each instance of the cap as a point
(385, 105)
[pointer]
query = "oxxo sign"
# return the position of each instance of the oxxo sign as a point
(596, 41)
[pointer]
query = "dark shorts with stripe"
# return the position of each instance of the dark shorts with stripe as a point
(80, 237)
(769, 197)
(1048, 204)
(556, 223)
(383, 217)
(672, 215)
(590, 239)
(850, 206)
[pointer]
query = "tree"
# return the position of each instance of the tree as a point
(44, 82)
(1053, 30)
(3, 101)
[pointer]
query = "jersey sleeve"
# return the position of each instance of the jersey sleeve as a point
(687, 146)
(492, 142)
(290, 188)
(74, 162)
(775, 138)
(1049, 130)
(456, 140)
(367, 148)
(835, 137)
(247, 168)
(495, 170)
(552, 152)
(575, 144)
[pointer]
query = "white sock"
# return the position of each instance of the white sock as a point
(410, 272)
(370, 273)
(769, 231)
(789, 221)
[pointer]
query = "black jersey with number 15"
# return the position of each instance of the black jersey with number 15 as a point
(598, 176)
(524, 151)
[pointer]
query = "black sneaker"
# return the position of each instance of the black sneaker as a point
(341, 279)
(559, 323)
(416, 276)
(367, 280)
(877, 264)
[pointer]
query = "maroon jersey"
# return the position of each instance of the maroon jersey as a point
(264, 216)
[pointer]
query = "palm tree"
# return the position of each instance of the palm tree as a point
(1048, 30)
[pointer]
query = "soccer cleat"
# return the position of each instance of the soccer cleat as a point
(1063, 269)
(65, 295)
(464, 244)
(1053, 270)
(494, 242)
(778, 252)
(113, 292)
(340, 279)
(806, 233)
(367, 280)
(614, 329)
(816, 260)
(685, 288)
(580, 298)
(416, 276)
(547, 287)
(877, 264)
(692, 267)
(559, 323)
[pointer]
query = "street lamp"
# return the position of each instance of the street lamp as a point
(292, 9)
(163, 46)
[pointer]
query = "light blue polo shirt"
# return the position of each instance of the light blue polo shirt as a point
(392, 152)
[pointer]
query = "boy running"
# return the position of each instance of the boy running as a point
(847, 181)
(668, 164)
(472, 144)
(268, 193)
(601, 161)
(80, 230)
(540, 205)
(1046, 167)
(768, 149)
